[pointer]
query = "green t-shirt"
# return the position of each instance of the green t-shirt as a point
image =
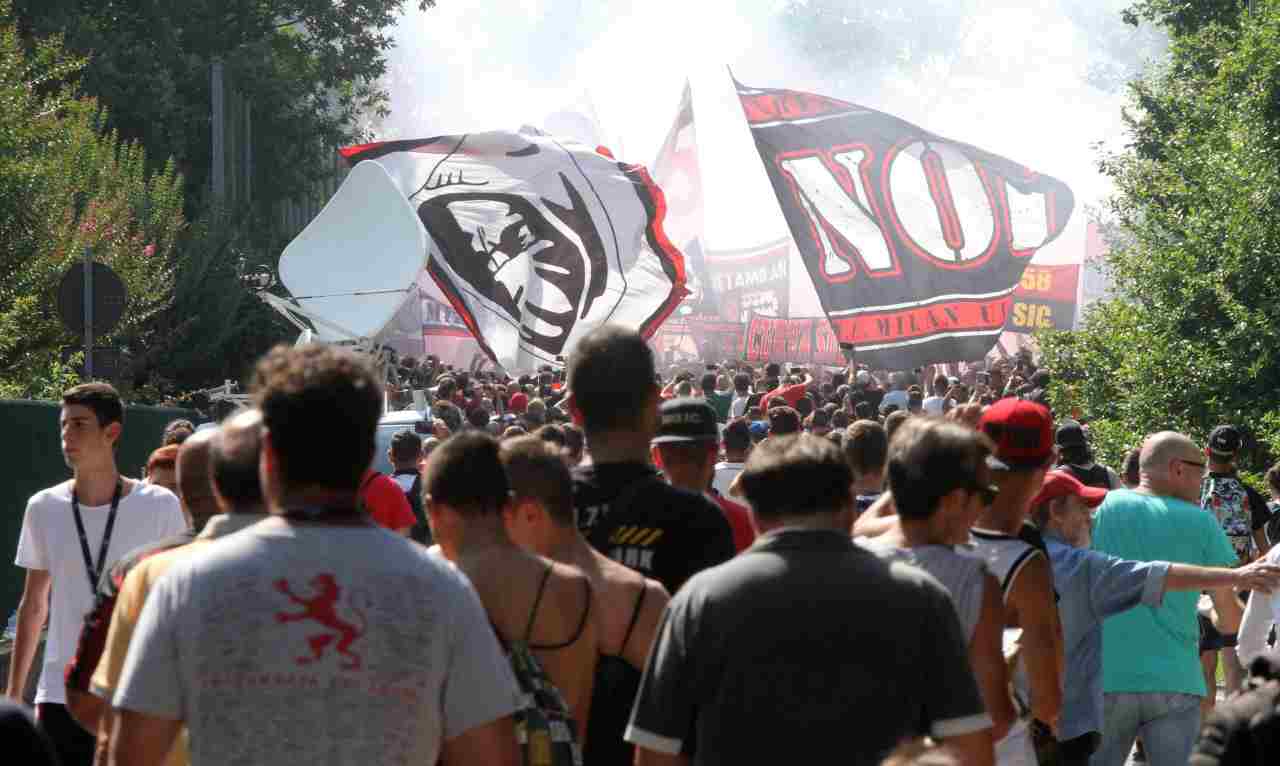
(1156, 649)
(720, 402)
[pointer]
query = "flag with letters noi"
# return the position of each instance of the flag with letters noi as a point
(915, 243)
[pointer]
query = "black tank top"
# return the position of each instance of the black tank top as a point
(616, 686)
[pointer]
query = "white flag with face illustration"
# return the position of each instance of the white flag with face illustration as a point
(536, 240)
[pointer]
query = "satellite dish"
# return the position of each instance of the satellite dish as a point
(357, 263)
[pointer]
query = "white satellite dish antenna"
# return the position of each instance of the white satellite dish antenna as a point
(357, 263)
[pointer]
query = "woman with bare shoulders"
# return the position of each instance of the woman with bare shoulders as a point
(629, 605)
(547, 606)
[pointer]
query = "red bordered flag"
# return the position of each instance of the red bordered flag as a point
(914, 242)
(536, 240)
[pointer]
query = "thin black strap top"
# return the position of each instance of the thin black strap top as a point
(635, 617)
(582, 624)
(615, 689)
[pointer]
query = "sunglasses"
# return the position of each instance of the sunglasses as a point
(1200, 465)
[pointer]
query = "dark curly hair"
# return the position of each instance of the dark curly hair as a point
(320, 405)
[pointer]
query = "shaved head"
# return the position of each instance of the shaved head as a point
(235, 463)
(1171, 464)
(195, 485)
(1160, 449)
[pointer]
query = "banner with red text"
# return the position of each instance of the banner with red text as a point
(808, 341)
(914, 242)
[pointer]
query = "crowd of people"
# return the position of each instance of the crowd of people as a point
(605, 565)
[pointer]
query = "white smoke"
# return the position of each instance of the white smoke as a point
(481, 66)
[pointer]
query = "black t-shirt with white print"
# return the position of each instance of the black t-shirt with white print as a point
(628, 513)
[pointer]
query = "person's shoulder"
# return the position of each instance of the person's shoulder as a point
(566, 585)
(696, 509)
(144, 553)
(715, 581)
(144, 494)
(1187, 512)
(730, 505)
(1122, 498)
(159, 562)
(380, 482)
(677, 496)
(903, 573)
(56, 496)
(430, 565)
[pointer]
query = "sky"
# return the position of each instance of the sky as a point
(469, 66)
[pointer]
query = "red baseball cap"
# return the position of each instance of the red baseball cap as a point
(1062, 484)
(519, 402)
(1022, 432)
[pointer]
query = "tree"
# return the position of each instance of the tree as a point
(67, 184)
(309, 68)
(1194, 340)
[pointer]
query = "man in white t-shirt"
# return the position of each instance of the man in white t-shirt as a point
(315, 636)
(71, 534)
(937, 403)
(736, 440)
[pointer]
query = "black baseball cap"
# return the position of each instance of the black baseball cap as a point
(1224, 440)
(1071, 434)
(687, 420)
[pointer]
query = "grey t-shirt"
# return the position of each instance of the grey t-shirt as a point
(961, 574)
(298, 643)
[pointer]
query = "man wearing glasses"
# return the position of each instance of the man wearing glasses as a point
(1151, 675)
(1094, 586)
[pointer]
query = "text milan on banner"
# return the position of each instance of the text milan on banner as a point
(535, 241)
(915, 243)
(805, 341)
(1045, 299)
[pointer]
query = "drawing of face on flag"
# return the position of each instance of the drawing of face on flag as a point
(535, 240)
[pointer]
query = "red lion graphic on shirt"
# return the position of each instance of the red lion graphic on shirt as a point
(322, 607)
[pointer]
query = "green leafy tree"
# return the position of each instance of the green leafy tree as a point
(214, 328)
(308, 68)
(1194, 340)
(67, 184)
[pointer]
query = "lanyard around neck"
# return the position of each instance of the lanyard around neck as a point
(94, 571)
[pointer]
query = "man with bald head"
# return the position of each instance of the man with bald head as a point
(221, 493)
(195, 488)
(1150, 660)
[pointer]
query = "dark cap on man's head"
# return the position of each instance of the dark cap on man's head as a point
(687, 420)
(1224, 440)
(1022, 432)
(1071, 434)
